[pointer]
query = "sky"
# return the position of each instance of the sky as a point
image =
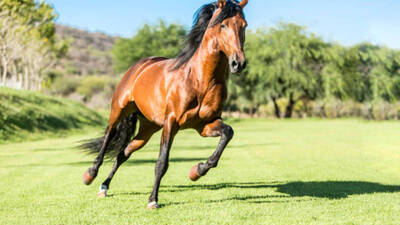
(345, 21)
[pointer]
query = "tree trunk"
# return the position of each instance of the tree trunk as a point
(18, 74)
(26, 79)
(276, 107)
(289, 107)
(4, 75)
(4, 72)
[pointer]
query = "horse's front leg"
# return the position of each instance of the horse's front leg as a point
(214, 129)
(169, 130)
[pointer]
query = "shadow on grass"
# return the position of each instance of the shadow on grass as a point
(335, 189)
(289, 192)
(319, 189)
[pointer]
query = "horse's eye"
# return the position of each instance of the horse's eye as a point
(223, 26)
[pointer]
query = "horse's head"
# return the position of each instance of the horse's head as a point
(221, 27)
(229, 25)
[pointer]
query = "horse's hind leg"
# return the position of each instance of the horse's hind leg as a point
(146, 130)
(91, 173)
(214, 129)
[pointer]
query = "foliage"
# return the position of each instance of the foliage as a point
(151, 40)
(288, 68)
(289, 62)
(38, 15)
(334, 108)
(28, 45)
(63, 85)
(91, 85)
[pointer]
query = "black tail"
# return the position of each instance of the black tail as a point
(120, 137)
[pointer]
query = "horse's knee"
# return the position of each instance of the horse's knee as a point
(228, 132)
(215, 129)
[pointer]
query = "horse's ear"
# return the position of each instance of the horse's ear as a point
(243, 3)
(221, 3)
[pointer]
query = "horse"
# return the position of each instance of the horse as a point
(172, 94)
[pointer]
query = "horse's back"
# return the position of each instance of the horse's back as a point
(123, 93)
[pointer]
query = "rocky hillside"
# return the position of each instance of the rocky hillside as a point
(89, 52)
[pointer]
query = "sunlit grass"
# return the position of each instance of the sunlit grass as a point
(27, 115)
(273, 172)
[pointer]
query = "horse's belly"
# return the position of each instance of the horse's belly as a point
(149, 96)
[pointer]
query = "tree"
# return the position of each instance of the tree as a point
(331, 73)
(157, 40)
(285, 62)
(370, 72)
(27, 41)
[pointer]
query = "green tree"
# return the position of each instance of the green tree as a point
(331, 73)
(370, 72)
(28, 44)
(158, 40)
(285, 62)
(38, 15)
(384, 76)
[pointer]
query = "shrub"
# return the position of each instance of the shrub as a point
(91, 85)
(334, 108)
(63, 85)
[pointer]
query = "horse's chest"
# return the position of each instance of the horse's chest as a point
(204, 107)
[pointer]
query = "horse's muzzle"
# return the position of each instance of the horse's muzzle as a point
(237, 66)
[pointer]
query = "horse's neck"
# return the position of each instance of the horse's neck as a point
(209, 64)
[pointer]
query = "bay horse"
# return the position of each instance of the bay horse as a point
(188, 91)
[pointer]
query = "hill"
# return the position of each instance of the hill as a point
(30, 115)
(89, 52)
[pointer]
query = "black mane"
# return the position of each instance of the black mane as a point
(201, 21)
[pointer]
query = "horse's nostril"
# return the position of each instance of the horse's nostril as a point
(234, 64)
(244, 64)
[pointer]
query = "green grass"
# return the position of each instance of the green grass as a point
(26, 115)
(273, 172)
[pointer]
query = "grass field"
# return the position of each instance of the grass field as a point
(27, 115)
(273, 172)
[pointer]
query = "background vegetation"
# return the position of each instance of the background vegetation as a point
(292, 72)
(28, 45)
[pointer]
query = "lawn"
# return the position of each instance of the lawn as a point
(273, 172)
(28, 115)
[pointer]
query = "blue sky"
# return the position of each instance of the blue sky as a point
(347, 22)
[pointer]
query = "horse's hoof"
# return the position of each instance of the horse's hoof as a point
(87, 178)
(194, 174)
(102, 191)
(152, 205)
(102, 194)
